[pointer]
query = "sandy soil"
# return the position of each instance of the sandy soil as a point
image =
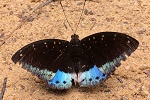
(126, 16)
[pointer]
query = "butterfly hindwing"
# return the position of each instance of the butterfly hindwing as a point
(107, 49)
(91, 77)
(61, 80)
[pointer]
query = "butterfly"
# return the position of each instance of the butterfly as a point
(85, 62)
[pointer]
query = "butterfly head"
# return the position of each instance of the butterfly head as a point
(74, 36)
(75, 40)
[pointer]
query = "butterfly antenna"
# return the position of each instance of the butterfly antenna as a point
(79, 18)
(66, 16)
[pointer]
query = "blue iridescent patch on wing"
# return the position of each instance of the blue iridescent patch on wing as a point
(43, 74)
(91, 77)
(110, 66)
(61, 80)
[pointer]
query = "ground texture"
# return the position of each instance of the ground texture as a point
(127, 16)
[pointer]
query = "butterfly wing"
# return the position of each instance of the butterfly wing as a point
(107, 49)
(46, 59)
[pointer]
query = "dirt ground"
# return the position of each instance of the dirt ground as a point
(127, 16)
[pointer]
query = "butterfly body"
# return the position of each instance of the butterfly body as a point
(85, 62)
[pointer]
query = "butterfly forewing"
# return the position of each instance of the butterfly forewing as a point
(43, 54)
(107, 49)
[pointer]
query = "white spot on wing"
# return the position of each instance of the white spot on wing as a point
(21, 55)
(33, 47)
(103, 36)
(45, 43)
(54, 42)
(93, 37)
(83, 66)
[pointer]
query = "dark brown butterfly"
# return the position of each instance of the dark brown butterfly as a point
(85, 62)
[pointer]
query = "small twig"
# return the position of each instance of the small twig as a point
(25, 20)
(93, 25)
(7, 37)
(3, 89)
(119, 80)
(43, 4)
